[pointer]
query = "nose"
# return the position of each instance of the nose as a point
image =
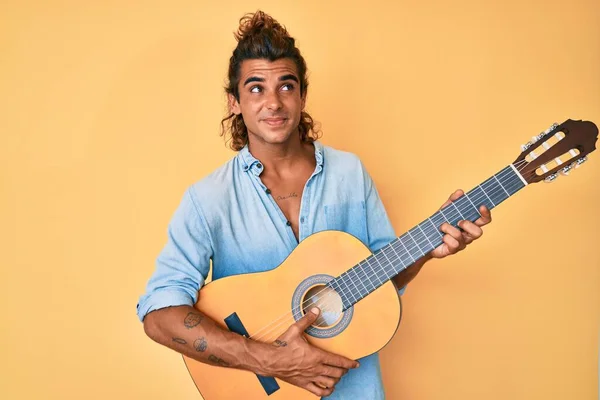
(273, 101)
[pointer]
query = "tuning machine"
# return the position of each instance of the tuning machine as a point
(578, 163)
(551, 177)
(565, 170)
(534, 139)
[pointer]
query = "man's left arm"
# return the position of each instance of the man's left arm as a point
(380, 231)
(454, 240)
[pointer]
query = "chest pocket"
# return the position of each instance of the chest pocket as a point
(350, 217)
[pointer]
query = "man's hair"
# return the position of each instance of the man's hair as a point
(260, 36)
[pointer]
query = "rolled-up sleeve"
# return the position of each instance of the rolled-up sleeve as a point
(183, 264)
(380, 231)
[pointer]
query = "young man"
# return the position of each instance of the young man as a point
(249, 214)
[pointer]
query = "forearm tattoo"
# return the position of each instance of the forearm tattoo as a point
(200, 344)
(280, 343)
(179, 340)
(216, 360)
(192, 319)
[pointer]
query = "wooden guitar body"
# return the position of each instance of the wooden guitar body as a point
(264, 303)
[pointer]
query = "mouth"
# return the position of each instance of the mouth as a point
(274, 121)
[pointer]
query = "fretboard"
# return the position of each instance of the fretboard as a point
(362, 279)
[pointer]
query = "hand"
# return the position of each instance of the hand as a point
(298, 362)
(456, 240)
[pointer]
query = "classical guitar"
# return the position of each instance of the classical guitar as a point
(335, 271)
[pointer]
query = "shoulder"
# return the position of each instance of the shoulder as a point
(217, 185)
(340, 160)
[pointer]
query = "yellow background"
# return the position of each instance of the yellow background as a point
(110, 109)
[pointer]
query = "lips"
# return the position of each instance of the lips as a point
(275, 121)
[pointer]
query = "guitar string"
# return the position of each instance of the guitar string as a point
(325, 303)
(323, 306)
(351, 280)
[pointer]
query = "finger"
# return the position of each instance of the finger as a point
(472, 230)
(451, 230)
(334, 372)
(339, 361)
(326, 381)
(486, 216)
(307, 320)
(319, 391)
(452, 244)
(454, 196)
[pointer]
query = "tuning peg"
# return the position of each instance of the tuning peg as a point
(534, 139)
(547, 131)
(580, 161)
(565, 170)
(551, 177)
(526, 146)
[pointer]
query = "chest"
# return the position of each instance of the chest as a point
(287, 194)
(246, 226)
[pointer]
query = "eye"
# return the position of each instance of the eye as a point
(255, 89)
(289, 86)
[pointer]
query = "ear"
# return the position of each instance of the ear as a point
(234, 105)
(303, 103)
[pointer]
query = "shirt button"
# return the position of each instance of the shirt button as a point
(302, 219)
(268, 191)
(288, 223)
(259, 165)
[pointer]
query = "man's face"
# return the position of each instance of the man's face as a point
(270, 100)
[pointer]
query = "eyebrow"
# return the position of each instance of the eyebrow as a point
(287, 77)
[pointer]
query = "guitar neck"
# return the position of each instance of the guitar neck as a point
(362, 279)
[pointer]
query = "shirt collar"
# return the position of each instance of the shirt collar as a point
(250, 163)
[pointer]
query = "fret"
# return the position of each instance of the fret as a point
(497, 194)
(366, 261)
(489, 207)
(461, 216)
(375, 272)
(377, 259)
(469, 210)
(438, 219)
(348, 290)
(403, 252)
(449, 212)
(397, 256)
(424, 234)
(403, 245)
(511, 181)
(413, 239)
(389, 263)
(435, 228)
(508, 194)
(356, 271)
(339, 290)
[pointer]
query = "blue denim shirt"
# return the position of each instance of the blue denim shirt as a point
(231, 206)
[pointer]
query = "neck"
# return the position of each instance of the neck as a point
(281, 157)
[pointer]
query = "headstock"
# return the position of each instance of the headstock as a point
(558, 149)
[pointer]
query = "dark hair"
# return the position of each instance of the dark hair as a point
(260, 36)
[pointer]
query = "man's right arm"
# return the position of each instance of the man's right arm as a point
(290, 358)
(189, 332)
(170, 319)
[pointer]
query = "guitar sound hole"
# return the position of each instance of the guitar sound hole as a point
(328, 301)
